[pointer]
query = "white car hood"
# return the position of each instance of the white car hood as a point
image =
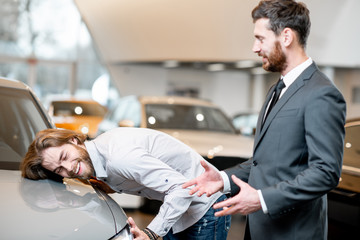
(60, 215)
(212, 144)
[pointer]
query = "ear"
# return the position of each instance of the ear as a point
(74, 140)
(287, 36)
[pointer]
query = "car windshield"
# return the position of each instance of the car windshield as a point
(64, 108)
(187, 117)
(20, 120)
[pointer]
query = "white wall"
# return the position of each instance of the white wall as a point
(230, 89)
(139, 79)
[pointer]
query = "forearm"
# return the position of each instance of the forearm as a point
(174, 206)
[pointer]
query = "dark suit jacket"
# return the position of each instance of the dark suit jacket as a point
(297, 159)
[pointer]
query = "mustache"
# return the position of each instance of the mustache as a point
(262, 55)
(72, 173)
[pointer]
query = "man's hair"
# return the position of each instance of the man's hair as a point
(31, 164)
(283, 14)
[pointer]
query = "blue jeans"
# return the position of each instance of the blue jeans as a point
(208, 227)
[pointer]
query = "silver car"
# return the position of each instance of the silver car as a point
(45, 209)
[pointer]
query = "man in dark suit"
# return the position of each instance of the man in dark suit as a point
(298, 145)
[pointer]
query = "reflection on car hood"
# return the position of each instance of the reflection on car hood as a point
(212, 144)
(45, 209)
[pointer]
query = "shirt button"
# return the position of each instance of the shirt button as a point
(254, 163)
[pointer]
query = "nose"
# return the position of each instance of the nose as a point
(256, 47)
(66, 165)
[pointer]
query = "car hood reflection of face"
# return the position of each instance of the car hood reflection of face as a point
(45, 209)
(48, 195)
(212, 144)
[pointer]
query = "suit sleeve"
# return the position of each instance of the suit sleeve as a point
(241, 171)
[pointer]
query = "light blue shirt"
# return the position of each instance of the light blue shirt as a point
(154, 165)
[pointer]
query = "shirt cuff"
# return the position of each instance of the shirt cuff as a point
(226, 181)
(262, 202)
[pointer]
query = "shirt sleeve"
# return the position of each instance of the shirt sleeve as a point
(150, 172)
(262, 202)
(226, 181)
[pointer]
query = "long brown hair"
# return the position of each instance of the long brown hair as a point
(31, 164)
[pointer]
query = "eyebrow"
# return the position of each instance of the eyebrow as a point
(61, 155)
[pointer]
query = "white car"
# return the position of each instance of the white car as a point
(46, 209)
(198, 123)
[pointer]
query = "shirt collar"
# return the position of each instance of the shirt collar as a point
(97, 160)
(295, 73)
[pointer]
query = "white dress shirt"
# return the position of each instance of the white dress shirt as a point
(288, 80)
(154, 165)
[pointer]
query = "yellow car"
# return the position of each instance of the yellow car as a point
(79, 115)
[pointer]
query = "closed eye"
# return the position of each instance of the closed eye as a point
(63, 157)
(58, 170)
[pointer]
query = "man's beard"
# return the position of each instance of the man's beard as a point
(276, 59)
(85, 159)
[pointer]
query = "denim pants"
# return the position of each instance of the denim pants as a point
(208, 227)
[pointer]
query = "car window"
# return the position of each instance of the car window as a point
(20, 120)
(63, 108)
(352, 146)
(187, 117)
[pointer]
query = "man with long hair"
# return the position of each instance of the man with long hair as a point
(136, 161)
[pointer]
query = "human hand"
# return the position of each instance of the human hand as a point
(245, 202)
(209, 182)
(135, 231)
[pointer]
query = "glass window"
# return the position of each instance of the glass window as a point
(52, 79)
(15, 70)
(46, 45)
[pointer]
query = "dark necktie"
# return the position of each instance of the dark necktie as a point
(279, 86)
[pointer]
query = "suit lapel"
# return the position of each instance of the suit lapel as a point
(295, 86)
(262, 114)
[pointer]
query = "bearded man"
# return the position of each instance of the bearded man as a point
(299, 139)
(136, 161)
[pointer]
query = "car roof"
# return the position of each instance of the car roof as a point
(175, 100)
(352, 122)
(10, 83)
(75, 100)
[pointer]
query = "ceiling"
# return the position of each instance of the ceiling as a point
(210, 30)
